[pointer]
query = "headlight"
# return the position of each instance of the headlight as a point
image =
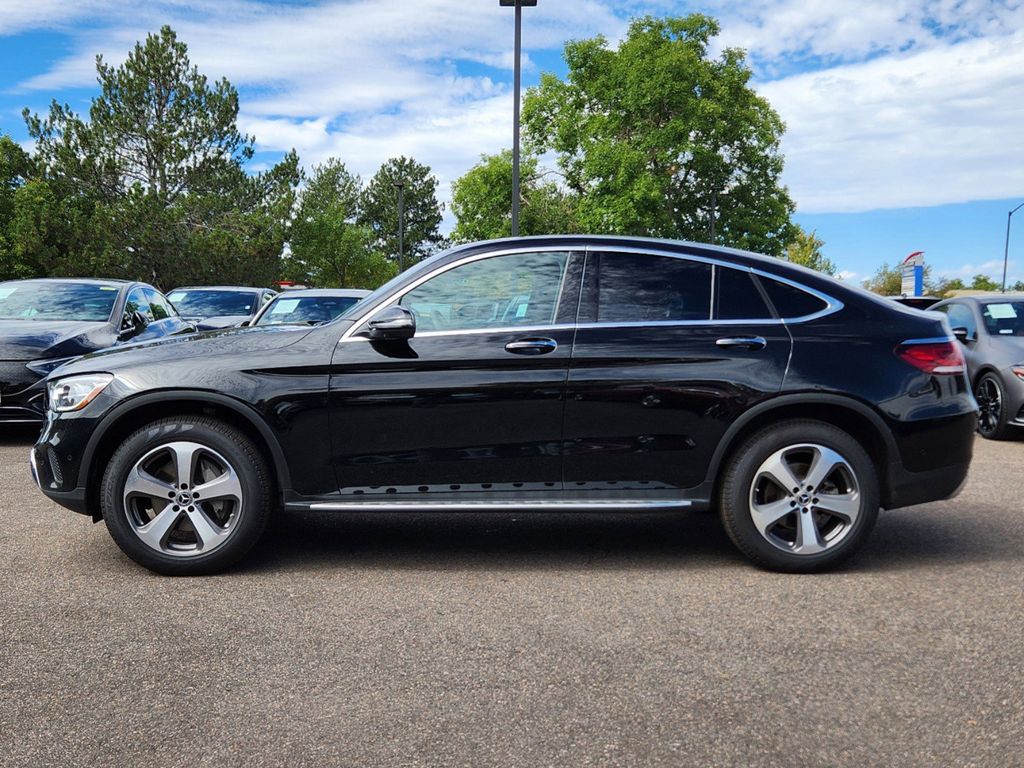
(43, 367)
(1018, 371)
(75, 392)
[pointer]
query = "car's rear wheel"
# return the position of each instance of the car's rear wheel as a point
(186, 496)
(992, 416)
(799, 496)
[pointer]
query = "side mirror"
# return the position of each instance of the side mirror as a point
(132, 324)
(961, 334)
(392, 324)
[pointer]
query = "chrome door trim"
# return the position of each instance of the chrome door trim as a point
(833, 305)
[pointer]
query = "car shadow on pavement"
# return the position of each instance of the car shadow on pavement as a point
(911, 538)
(484, 540)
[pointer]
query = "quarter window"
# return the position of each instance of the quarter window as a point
(639, 287)
(791, 302)
(737, 297)
(499, 292)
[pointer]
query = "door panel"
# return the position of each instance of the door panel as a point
(648, 402)
(474, 400)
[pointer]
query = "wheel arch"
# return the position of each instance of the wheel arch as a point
(852, 416)
(132, 414)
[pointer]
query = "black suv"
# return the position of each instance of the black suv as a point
(554, 373)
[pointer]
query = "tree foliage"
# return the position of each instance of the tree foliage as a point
(422, 211)
(482, 201)
(657, 136)
(154, 179)
(805, 249)
(329, 248)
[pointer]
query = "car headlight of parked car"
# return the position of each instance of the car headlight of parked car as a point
(1018, 371)
(75, 392)
(43, 367)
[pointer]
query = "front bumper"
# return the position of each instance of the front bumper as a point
(56, 459)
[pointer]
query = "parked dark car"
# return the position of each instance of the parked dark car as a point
(991, 328)
(311, 306)
(219, 306)
(917, 302)
(47, 322)
(553, 373)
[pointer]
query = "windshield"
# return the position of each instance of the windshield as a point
(202, 303)
(84, 302)
(306, 310)
(1004, 318)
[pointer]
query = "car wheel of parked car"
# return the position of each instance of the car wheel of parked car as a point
(186, 496)
(992, 416)
(799, 496)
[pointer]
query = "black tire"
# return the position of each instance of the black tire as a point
(216, 443)
(991, 396)
(744, 487)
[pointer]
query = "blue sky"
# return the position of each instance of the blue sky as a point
(905, 117)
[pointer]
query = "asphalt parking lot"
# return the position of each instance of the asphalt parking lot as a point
(517, 640)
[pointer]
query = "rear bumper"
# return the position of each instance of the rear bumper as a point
(909, 488)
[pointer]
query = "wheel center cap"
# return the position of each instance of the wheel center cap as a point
(804, 499)
(184, 498)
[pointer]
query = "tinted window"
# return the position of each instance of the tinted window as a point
(137, 302)
(499, 292)
(158, 305)
(789, 301)
(637, 287)
(961, 316)
(737, 298)
(1004, 318)
(306, 310)
(87, 302)
(202, 303)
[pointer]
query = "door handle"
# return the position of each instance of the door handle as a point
(531, 346)
(748, 342)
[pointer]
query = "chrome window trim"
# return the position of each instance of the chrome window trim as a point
(833, 305)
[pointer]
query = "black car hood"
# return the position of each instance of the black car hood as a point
(230, 341)
(33, 339)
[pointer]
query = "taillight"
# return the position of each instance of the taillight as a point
(938, 356)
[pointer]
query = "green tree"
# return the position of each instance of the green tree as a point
(15, 170)
(482, 201)
(984, 283)
(805, 249)
(329, 248)
(157, 172)
(422, 211)
(657, 136)
(1018, 287)
(887, 280)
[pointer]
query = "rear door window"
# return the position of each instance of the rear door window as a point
(737, 297)
(646, 288)
(791, 302)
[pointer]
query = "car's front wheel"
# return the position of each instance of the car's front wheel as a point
(992, 416)
(799, 496)
(186, 496)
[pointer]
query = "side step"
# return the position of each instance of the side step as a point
(493, 505)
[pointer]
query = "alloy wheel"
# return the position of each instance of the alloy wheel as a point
(990, 404)
(183, 499)
(805, 499)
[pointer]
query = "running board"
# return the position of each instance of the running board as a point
(483, 505)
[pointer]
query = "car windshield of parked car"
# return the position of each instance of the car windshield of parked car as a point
(84, 302)
(306, 310)
(1004, 318)
(202, 303)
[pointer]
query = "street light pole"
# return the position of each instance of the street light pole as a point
(517, 88)
(400, 186)
(1006, 248)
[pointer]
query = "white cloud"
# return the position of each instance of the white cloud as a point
(939, 126)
